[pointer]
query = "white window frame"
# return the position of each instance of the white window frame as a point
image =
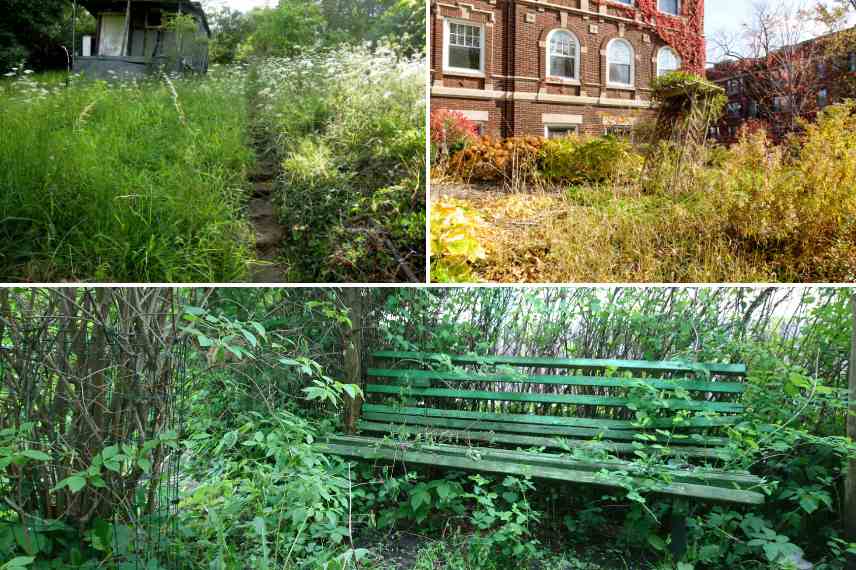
(609, 82)
(677, 57)
(577, 58)
(463, 70)
(548, 126)
(678, 13)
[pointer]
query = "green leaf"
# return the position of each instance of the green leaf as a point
(195, 311)
(19, 562)
(36, 454)
(75, 483)
(144, 464)
(420, 497)
(250, 338)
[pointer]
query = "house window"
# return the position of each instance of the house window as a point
(559, 131)
(852, 62)
(562, 54)
(735, 108)
(823, 98)
(753, 109)
(154, 18)
(669, 6)
(619, 55)
(733, 86)
(464, 47)
(619, 131)
(780, 104)
(628, 2)
(821, 69)
(667, 61)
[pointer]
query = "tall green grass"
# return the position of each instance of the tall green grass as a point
(123, 181)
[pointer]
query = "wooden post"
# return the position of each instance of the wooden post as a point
(126, 38)
(353, 356)
(680, 509)
(850, 485)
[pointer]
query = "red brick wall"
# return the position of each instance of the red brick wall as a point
(515, 62)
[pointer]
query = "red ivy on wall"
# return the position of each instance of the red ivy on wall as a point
(683, 33)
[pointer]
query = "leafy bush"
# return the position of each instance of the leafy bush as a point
(498, 160)
(348, 125)
(455, 243)
(451, 131)
(576, 160)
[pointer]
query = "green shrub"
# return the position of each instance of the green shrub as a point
(575, 160)
(349, 128)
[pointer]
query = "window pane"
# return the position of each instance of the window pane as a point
(557, 132)
(620, 52)
(562, 67)
(619, 73)
(464, 57)
(669, 6)
(667, 60)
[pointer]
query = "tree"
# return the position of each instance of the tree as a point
(779, 71)
(841, 43)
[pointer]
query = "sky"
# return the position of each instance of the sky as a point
(728, 15)
(242, 5)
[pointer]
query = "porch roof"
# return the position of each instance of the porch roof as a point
(96, 6)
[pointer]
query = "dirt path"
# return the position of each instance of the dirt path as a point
(265, 221)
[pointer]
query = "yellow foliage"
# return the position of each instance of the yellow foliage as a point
(455, 242)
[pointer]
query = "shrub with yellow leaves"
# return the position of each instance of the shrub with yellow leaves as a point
(455, 242)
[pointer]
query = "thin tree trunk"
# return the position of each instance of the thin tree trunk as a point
(353, 355)
(850, 491)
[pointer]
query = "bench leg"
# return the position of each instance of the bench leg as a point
(680, 509)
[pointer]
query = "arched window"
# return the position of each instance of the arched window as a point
(563, 51)
(667, 61)
(619, 56)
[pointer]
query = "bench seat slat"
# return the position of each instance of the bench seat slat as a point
(733, 479)
(467, 435)
(604, 381)
(369, 451)
(550, 420)
(576, 399)
(541, 362)
(535, 429)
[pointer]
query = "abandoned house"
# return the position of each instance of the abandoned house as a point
(135, 37)
(554, 67)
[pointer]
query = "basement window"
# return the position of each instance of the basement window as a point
(620, 131)
(560, 131)
(464, 50)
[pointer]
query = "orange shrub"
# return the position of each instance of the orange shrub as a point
(497, 160)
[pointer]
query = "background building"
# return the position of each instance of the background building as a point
(535, 67)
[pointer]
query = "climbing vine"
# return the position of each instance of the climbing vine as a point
(683, 33)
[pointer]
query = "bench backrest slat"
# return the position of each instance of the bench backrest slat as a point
(582, 363)
(580, 400)
(423, 378)
(567, 397)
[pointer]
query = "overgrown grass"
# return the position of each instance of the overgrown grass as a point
(348, 129)
(123, 182)
(754, 212)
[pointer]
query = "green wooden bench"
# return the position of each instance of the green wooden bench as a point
(487, 413)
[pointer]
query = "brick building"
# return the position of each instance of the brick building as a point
(797, 80)
(549, 67)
